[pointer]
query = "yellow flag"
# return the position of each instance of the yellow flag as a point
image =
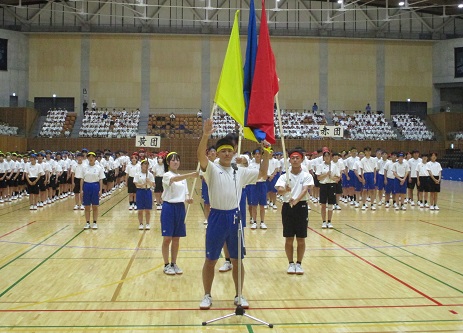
(229, 95)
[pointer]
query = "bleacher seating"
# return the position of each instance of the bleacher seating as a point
(452, 159)
(456, 136)
(180, 127)
(6, 129)
(365, 126)
(58, 123)
(110, 124)
(412, 127)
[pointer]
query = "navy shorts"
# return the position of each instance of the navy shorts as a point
(369, 180)
(400, 189)
(91, 194)
(259, 194)
(205, 193)
(173, 219)
(390, 186)
(353, 177)
(380, 181)
(144, 199)
(358, 186)
(243, 206)
(345, 183)
(222, 228)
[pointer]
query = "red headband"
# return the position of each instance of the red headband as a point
(296, 153)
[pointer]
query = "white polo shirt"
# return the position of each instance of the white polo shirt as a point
(296, 183)
(93, 174)
(173, 192)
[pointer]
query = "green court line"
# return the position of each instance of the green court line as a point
(401, 248)
(245, 325)
(249, 327)
(40, 264)
(22, 254)
(403, 263)
(114, 205)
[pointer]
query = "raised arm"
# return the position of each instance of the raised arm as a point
(201, 152)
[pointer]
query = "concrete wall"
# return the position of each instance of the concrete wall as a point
(443, 63)
(16, 78)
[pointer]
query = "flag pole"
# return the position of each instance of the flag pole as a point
(282, 137)
(213, 110)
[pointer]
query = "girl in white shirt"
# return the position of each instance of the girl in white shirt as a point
(144, 181)
(435, 171)
(131, 170)
(92, 185)
(158, 170)
(173, 210)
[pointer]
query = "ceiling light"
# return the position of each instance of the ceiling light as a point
(402, 3)
(460, 5)
(340, 1)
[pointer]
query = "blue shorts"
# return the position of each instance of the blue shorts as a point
(249, 189)
(144, 199)
(259, 194)
(345, 182)
(222, 228)
(400, 189)
(173, 219)
(380, 181)
(390, 186)
(243, 206)
(352, 179)
(205, 193)
(91, 194)
(358, 186)
(271, 183)
(369, 180)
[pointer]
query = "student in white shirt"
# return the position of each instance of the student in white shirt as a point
(76, 175)
(33, 171)
(132, 169)
(158, 170)
(412, 178)
(423, 181)
(401, 170)
(328, 175)
(4, 170)
(144, 181)
(92, 185)
(435, 172)
(173, 212)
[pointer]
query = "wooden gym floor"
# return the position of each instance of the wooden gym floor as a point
(377, 271)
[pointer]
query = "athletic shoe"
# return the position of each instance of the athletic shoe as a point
(94, 226)
(406, 201)
(431, 208)
(265, 206)
(253, 226)
(134, 207)
(35, 207)
(299, 270)
(364, 207)
(357, 205)
(205, 221)
(324, 225)
(130, 207)
(76, 207)
(421, 205)
(404, 207)
(386, 205)
(82, 207)
(1, 200)
(380, 203)
(373, 207)
(244, 302)
(396, 207)
(140, 227)
(329, 225)
(436, 207)
(412, 203)
(291, 268)
(227, 266)
(147, 226)
(352, 203)
(275, 207)
(206, 302)
(169, 270)
(40, 204)
(158, 207)
(177, 269)
(31, 207)
(87, 226)
(263, 226)
(426, 205)
(337, 207)
(308, 207)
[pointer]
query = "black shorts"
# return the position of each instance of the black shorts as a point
(131, 188)
(63, 178)
(158, 188)
(76, 189)
(42, 185)
(339, 187)
(12, 182)
(411, 185)
(424, 184)
(433, 187)
(33, 189)
(21, 180)
(328, 193)
(315, 180)
(3, 183)
(295, 220)
(53, 183)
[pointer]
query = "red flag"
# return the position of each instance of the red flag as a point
(264, 84)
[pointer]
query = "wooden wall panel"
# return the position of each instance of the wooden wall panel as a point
(12, 143)
(23, 118)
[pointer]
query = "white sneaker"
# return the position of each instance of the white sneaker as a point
(421, 205)
(274, 207)
(141, 227)
(244, 302)
(94, 226)
(263, 226)
(82, 207)
(364, 207)
(373, 207)
(177, 269)
(396, 207)
(76, 207)
(253, 226)
(338, 207)
(206, 302)
(436, 207)
(35, 207)
(158, 207)
(169, 270)
(404, 207)
(31, 207)
(205, 221)
(265, 206)
(291, 268)
(40, 204)
(352, 203)
(130, 207)
(1, 200)
(329, 225)
(406, 201)
(227, 266)
(324, 225)
(87, 226)
(299, 270)
(412, 203)
(356, 205)
(426, 205)
(431, 208)
(386, 205)
(147, 227)
(134, 207)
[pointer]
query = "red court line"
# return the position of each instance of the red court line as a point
(16, 229)
(441, 226)
(379, 269)
(412, 306)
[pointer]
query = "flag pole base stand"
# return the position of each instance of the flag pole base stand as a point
(239, 311)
